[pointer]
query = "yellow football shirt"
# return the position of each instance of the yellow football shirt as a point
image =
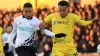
(65, 25)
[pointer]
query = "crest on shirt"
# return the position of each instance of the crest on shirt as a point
(54, 22)
(31, 24)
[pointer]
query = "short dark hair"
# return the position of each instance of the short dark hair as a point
(9, 25)
(27, 5)
(63, 3)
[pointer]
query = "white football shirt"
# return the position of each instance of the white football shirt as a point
(25, 29)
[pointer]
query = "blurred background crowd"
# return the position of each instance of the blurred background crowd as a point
(86, 38)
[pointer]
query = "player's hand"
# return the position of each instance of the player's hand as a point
(59, 35)
(6, 47)
(95, 19)
(43, 25)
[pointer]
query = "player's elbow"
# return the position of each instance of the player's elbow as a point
(43, 25)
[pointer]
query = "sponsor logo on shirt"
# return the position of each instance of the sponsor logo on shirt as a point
(55, 21)
(26, 29)
(60, 22)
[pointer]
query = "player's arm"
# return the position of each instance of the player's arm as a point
(81, 22)
(49, 33)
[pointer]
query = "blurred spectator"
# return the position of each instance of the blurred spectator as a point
(48, 47)
(91, 47)
(83, 48)
(98, 41)
(44, 13)
(6, 19)
(5, 38)
(54, 9)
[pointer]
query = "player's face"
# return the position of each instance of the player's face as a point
(63, 10)
(9, 29)
(28, 13)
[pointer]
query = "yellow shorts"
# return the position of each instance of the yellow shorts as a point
(59, 52)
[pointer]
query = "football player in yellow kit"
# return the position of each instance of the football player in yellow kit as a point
(64, 22)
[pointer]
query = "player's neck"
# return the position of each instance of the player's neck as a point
(65, 15)
(27, 18)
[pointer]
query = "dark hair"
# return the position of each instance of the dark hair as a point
(27, 5)
(63, 3)
(9, 25)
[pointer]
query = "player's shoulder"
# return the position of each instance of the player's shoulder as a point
(35, 19)
(18, 18)
(72, 14)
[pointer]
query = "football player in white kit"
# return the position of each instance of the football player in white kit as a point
(24, 28)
